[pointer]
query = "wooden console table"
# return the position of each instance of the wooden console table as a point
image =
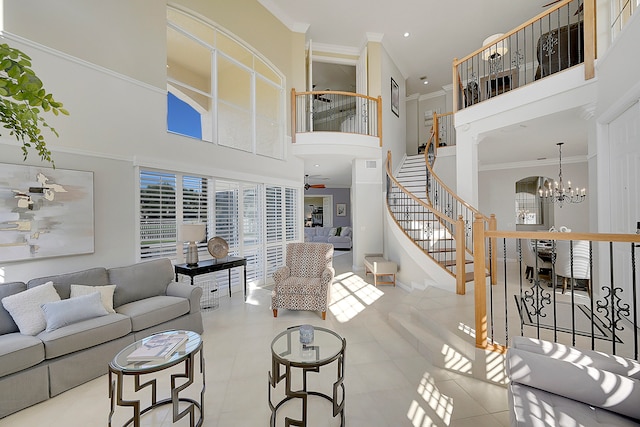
(498, 83)
(213, 265)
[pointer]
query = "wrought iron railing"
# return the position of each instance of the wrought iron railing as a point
(335, 111)
(435, 233)
(582, 290)
(444, 200)
(559, 38)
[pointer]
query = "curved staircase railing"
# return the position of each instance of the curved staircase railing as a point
(442, 225)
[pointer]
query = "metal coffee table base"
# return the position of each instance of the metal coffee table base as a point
(337, 399)
(116, 393)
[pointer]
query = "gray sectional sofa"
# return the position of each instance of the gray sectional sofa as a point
(325, 235)
(145, 300)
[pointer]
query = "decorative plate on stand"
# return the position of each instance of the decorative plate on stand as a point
(218, 247)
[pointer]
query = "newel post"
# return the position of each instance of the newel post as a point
(461, 272)
(380, 118)
(479, 281)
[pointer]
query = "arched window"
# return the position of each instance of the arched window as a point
(530, 208)
(220, 90)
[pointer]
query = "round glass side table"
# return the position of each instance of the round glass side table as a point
(186, 353)
(289, 353)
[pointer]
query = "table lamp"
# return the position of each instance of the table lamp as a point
(192, 233)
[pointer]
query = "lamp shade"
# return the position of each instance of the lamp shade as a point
(193, 232)
(495, 48)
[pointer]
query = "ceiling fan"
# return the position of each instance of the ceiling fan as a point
(308, 186)
(323, 98)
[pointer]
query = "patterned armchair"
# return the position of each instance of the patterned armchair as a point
(304, 282)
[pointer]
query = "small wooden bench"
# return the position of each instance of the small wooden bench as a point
(377, 265)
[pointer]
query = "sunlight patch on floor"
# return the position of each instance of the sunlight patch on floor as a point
(440, 405)
(350, 295)
(455, 361)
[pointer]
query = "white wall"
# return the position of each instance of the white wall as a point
(107, 63)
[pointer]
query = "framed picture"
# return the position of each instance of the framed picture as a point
(395, 98)
(341, 209)
(45, 212)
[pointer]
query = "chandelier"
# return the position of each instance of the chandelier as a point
(557, 193)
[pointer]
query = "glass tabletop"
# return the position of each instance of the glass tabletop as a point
(325, 345)
(121, 362)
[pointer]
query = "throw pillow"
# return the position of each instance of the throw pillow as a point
(25, 309)
(67, 311)
(332, 232)
(338, 231)
(345, 231)
(106, 294)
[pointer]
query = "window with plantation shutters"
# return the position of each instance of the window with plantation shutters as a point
(274, 223)
(227, 218)
(291, 215)
(195, 202)
(257, 220)
(157, 214)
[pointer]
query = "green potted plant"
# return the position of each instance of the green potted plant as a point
(23, 99)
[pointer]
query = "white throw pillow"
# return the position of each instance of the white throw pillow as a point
(67, 311)
(106, 294)
(332, 232)
(25, 309)
(346, 231)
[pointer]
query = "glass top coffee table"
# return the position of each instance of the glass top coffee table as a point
(186, 353)
(288, 352)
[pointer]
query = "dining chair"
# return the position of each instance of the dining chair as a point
(572, 262)
(529, 259)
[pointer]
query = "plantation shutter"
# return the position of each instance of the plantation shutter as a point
(157, 214)
(291, 216)
(227, 219)
(195, 207)
(252, 232)
(274, 229)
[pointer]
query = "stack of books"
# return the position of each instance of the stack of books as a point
(158, 347)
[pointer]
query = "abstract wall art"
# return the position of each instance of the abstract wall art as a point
(44, 212)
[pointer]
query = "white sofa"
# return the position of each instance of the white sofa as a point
(328, 235)
(556, 385)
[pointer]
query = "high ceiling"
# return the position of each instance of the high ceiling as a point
(438, 30)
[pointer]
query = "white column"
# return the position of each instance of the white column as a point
(467, 164)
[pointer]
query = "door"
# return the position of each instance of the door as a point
(624, 134)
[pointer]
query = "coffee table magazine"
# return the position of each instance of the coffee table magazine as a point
(158, 347)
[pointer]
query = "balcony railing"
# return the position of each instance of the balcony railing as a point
(561, 37)
(585, 294)
(335, 111)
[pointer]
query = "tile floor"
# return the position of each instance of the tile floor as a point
(388, 383)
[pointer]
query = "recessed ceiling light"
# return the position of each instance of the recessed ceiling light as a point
(424, 80)
(406, 34)
(317, 166)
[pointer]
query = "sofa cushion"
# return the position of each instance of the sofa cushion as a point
(7, 325)
(84, 334)
(585, 384)
(595, 359)
(106, 294)
(530, 407)
(68, 311)
(140, 281)
(153, 311)
(18, 352)
(25, 310)
(63, 282)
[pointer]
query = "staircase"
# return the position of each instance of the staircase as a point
(433, 234)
